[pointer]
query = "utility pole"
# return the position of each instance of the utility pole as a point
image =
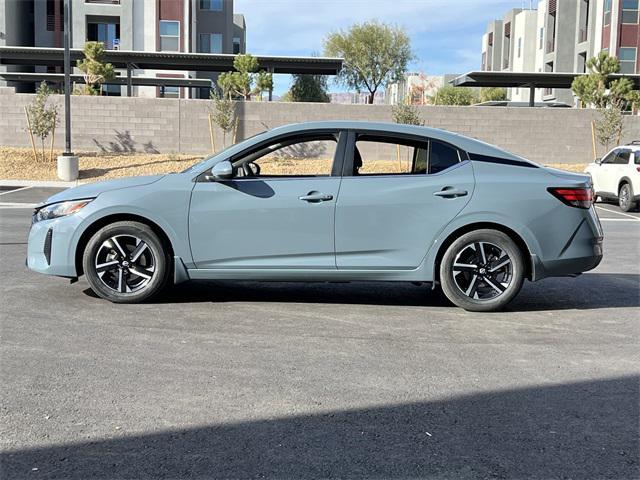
(67, 162)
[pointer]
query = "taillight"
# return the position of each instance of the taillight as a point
(574, 197)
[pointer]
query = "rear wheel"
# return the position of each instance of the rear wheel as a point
(126, 262)
(625, 198)
(482, 271)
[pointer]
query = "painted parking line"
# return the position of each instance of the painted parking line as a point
(17, 205)
(14, 190)
(637, 219)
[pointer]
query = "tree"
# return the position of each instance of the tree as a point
(42, 117)
(610, 97)
(493, 94)
(374, 55)
(406, 114)
(223, 114)
(95, 72)
(449, 95)
(596, 89)
(308, 88)
(609, 126)
(247, 80)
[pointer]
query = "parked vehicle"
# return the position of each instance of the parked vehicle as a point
(617, 176)
(328, 201)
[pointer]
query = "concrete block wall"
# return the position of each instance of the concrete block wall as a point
(120, 124)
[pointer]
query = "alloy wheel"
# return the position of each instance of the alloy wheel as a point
(125, 263)
(624, 196)
(482, 270)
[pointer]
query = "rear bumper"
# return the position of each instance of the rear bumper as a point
(580, 256)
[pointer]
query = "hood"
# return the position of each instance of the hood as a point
(92, 190)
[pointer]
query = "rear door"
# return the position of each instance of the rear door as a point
(396, 195)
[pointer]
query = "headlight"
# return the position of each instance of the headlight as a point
(61, 209)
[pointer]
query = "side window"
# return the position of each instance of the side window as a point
(381, 155)
(442, 157)
(623, 157)
(636, 158)
(308, 156)
(609, 158)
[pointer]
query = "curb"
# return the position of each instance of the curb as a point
(39, 183)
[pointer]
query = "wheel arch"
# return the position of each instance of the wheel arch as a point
(512, 234)
(622, 181)
(109, 219)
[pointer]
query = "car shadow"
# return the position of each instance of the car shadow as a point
(589, 291)
(576, 430)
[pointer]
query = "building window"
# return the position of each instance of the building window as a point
(215, 5)
(519, 47)
(607, 12)
(169, 92)
(236, 45)
(104, 32)
(541, 40)
(210, 43)
(169, 36)
(627, 57)
(630, 11)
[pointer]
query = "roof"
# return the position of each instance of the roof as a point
(138, 81)
(527, 79)
(199, 62)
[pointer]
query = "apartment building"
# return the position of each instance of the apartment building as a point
(560, 36)
(202, 26)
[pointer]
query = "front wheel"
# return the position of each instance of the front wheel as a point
(625, 198)
(482, 271)
(126, 262)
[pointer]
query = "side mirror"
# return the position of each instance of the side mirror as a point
(598, 161)
(221, 171)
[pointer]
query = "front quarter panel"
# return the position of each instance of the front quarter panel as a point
(165, 203)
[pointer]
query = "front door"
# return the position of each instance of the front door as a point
(277, 212)
(395, 197)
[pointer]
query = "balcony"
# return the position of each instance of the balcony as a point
(550, 46)
(582, 36)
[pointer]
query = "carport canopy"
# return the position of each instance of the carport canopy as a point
(197, 62)
(531, 80)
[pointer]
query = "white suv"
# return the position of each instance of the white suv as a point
(617, 176)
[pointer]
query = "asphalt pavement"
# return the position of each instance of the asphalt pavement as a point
(319, 380)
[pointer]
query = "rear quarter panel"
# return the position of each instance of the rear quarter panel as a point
(517, 198)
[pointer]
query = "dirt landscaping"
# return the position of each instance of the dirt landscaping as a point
(18, 164)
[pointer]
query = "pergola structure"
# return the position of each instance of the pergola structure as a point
(531, 80)
(197, 62)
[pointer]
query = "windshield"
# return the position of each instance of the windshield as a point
(206, 159)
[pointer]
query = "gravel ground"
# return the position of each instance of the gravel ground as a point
(18, 164)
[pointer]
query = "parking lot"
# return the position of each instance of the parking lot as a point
(282, 380)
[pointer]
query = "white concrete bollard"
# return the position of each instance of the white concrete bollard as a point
(68, 168)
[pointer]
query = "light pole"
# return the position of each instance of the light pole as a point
(67, 162)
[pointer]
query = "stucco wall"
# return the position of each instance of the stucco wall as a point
(546, 135)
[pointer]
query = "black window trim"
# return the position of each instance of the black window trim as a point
(347, 167)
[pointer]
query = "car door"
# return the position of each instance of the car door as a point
(278, 210)
(396, 195)
(604, 174)
(619, 168)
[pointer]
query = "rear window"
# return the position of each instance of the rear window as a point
(442, 157)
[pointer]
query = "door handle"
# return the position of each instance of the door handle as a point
(450, 192)
(316, 197)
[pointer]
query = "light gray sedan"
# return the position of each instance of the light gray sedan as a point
(328, 201)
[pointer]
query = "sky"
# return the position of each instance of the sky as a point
(445, 35)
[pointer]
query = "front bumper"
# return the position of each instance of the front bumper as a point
(50, 246)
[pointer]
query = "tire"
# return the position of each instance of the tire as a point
(126, 262)
(625, 198)
(468, 280)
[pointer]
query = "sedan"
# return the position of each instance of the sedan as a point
(328, 201)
